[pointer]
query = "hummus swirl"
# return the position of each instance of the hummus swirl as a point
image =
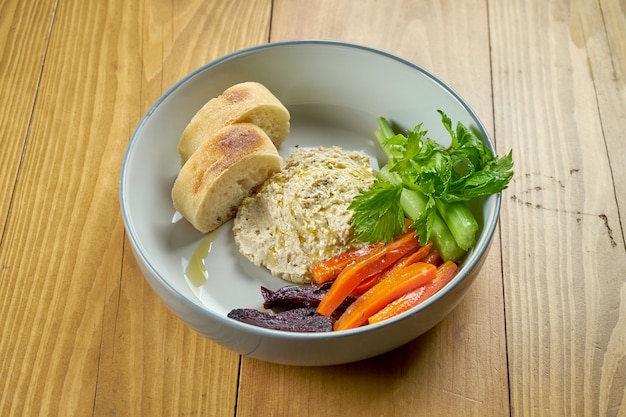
(300, 215)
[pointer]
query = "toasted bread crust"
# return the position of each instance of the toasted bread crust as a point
(247, 102)
(221, 172)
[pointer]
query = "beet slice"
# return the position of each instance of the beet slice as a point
(292, 308)
(304, 320)
(291, 297)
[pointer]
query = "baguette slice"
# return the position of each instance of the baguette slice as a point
(248, 102)
(224, 169)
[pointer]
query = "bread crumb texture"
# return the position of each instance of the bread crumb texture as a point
(300, 215)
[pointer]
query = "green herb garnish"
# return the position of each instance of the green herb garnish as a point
(429, 184)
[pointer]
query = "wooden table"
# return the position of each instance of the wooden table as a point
(542, 332)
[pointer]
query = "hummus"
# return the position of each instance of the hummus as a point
(300, 215)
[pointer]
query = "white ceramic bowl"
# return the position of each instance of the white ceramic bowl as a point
(334, 92)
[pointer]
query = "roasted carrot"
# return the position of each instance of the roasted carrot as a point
(329, 268)
(434, 257)
(399, 282)
(368, 283)
(353, 274)
(419, 255)
(398, 306)
(445, 273)
(408, 259)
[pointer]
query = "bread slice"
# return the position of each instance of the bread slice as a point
(221, 172)
(248, 102)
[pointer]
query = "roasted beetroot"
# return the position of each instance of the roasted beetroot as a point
(291, 308)
(303, 320)
(290, 297)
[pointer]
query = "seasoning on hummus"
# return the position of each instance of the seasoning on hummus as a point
(300, 215)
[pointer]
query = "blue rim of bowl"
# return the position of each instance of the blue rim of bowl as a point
(468, 264)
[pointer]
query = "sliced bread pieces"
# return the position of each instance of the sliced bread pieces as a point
(223, 170)
(247, 102)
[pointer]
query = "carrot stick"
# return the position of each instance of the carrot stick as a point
(398, 306)
(329, 269)
(353, 274)
(398, 283)
(434, 257)
(408, 259)
(368, 283)
(419, 255)
(445, 273)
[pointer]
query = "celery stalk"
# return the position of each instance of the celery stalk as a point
(384, 132)
(414, 203)
(460, 221)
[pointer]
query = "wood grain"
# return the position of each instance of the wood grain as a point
(425, 32)
(564, 276)
(602, 32)
(91, 331)
(24, 31)
(193, 376)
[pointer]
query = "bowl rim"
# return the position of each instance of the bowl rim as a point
(473, 258)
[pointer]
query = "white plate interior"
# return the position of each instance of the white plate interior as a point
(334, 93)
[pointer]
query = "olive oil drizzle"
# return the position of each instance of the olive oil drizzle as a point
(196, 271)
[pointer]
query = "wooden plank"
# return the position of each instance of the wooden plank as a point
(563, 247)
(73, 301)
(603, 35)
(23, 41)
(153, 364)
(451, 40)
(427, 33)
(187, 373)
